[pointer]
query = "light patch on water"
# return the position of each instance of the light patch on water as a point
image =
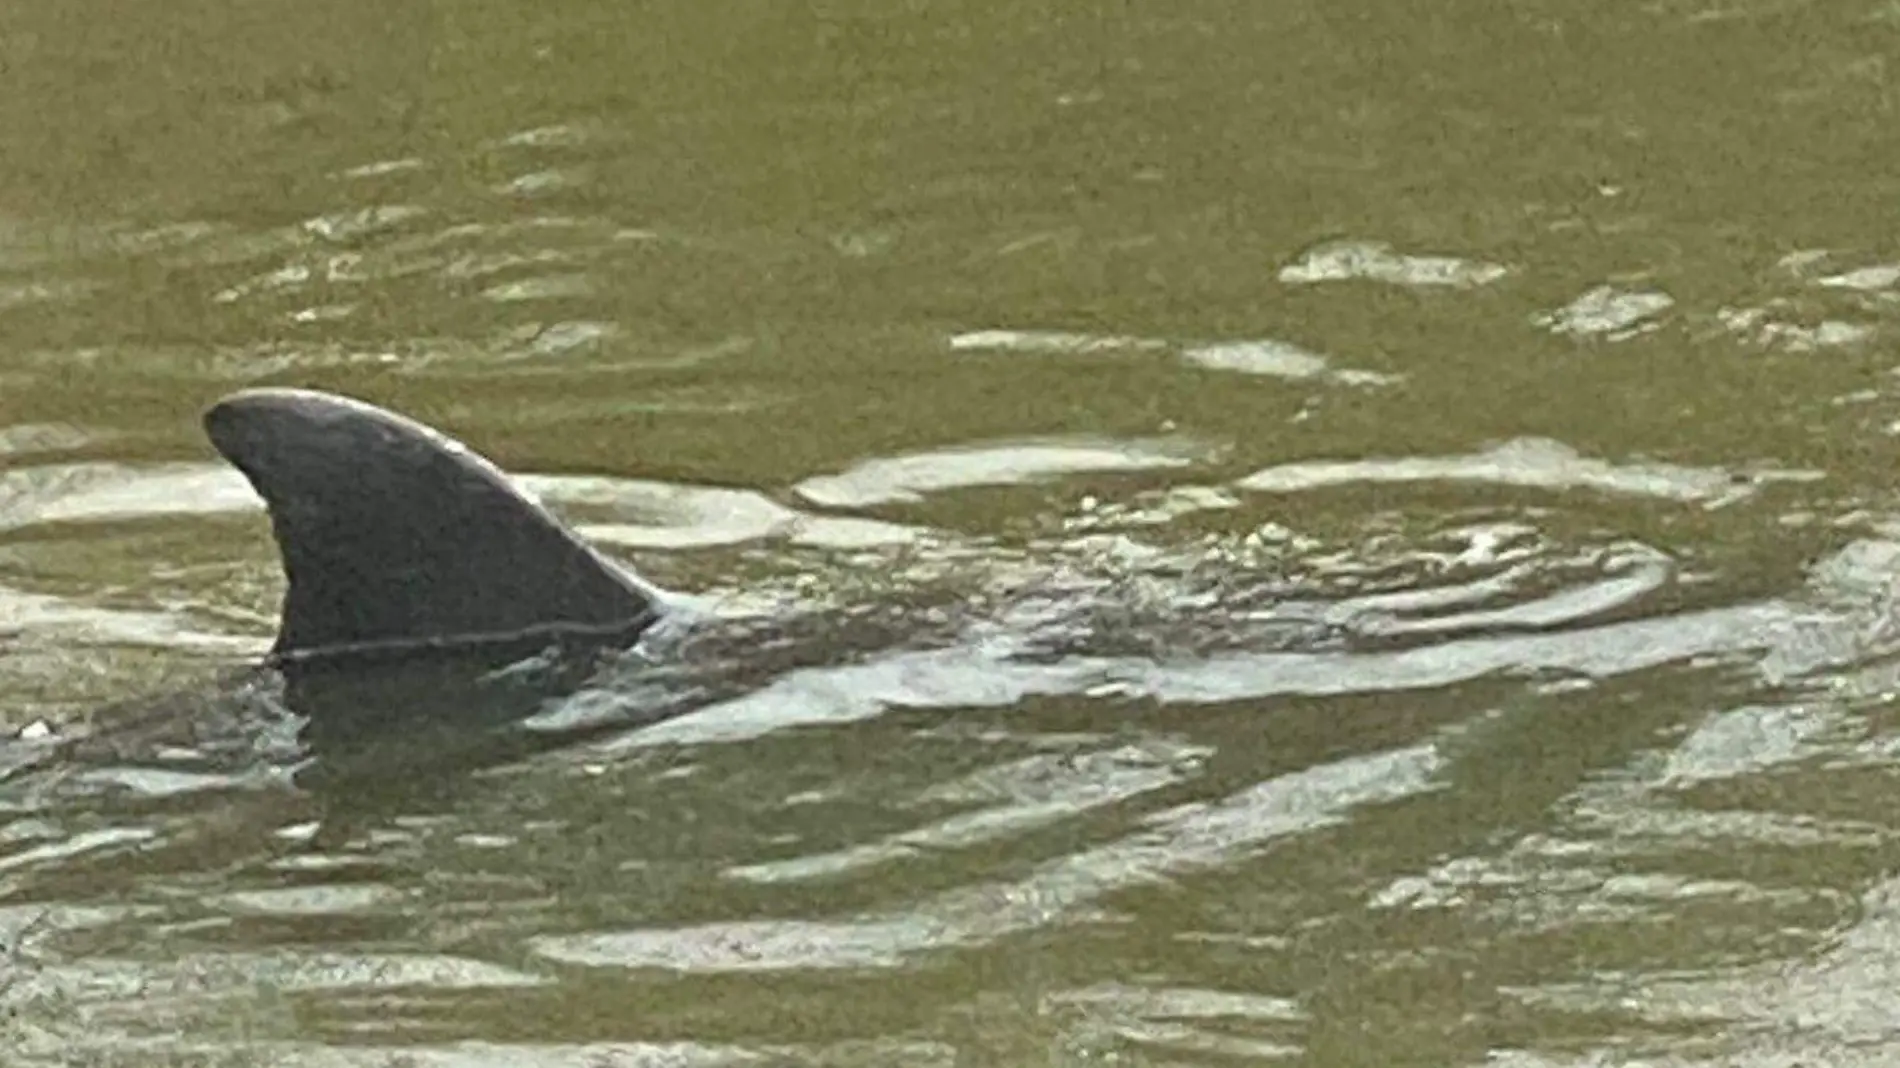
(1265, 357)
(1874, 279)
(19, 294)
(1526, 891)
(537, 183)
(545, 287)
(383, 167)
(24, 927)
(316, 900)
(1629, 816)
(1446, 885)
(1378, 261)
(100, 492)
(1832, 1007)
(1159, 508)
(846, 532)
(1052, 342)
(289, 277)
(559, 339)
(45, 613)
(1599, 652)
(83, 842)
(477, 265)
(747, 945)
(257, 1050)
(1760, 326)
(674, 515)
(152, 783)
(1562, 606)
(557, 135)
(25, 439)
(1258, 358)
(361, 222)
(1174, 842)
(671, 515)
(1182, 1020)
(1746, 741)
(323, 313)
(1278, 359)
(1528, 463)
(1481, 589)
(1607, 311)
(907, 479)
(123, 1001)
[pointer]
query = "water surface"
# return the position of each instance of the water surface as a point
(1362, 535)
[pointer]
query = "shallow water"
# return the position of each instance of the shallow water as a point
(1359, 536)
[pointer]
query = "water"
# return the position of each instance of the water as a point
(1359, 536)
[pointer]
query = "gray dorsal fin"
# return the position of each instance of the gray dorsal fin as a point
(392, 533)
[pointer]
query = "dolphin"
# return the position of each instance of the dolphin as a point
(395, 537)
(430, 608)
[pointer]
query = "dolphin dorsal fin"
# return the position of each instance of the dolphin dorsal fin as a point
(392, 533)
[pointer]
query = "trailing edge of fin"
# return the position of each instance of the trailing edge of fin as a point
(394, 535)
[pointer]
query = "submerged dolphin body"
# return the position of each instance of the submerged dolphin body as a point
(395, 536)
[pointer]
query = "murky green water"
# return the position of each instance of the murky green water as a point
(1418, 479)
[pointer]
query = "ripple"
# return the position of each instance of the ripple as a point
(1265, 357)
(1812, 1006)
(556, 135)
(1377, 261)
(676, 516)
(1864, 279)
(906, 479)
(26, 439)
(1277, 359)
(1528, 463)
(1743, 741)
(482, 264)
(1642, 572)
(997, 667)
(1594, 652)
(326, 900)
(1185, 1019)
(1038, 791)
(545, 287)
(497, 1055)
(361, 222)
(99, 492)
(968, 677)
(102, 839)
(127, 1004)
(1614, 313)
(669, 515)
(14, 295)
(538, 183)
(172, 630)
(1187, 838)
(1763, 327)
(384, 167)
(559, 339)
(1051, 341)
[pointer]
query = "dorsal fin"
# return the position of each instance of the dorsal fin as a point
(394, 534)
